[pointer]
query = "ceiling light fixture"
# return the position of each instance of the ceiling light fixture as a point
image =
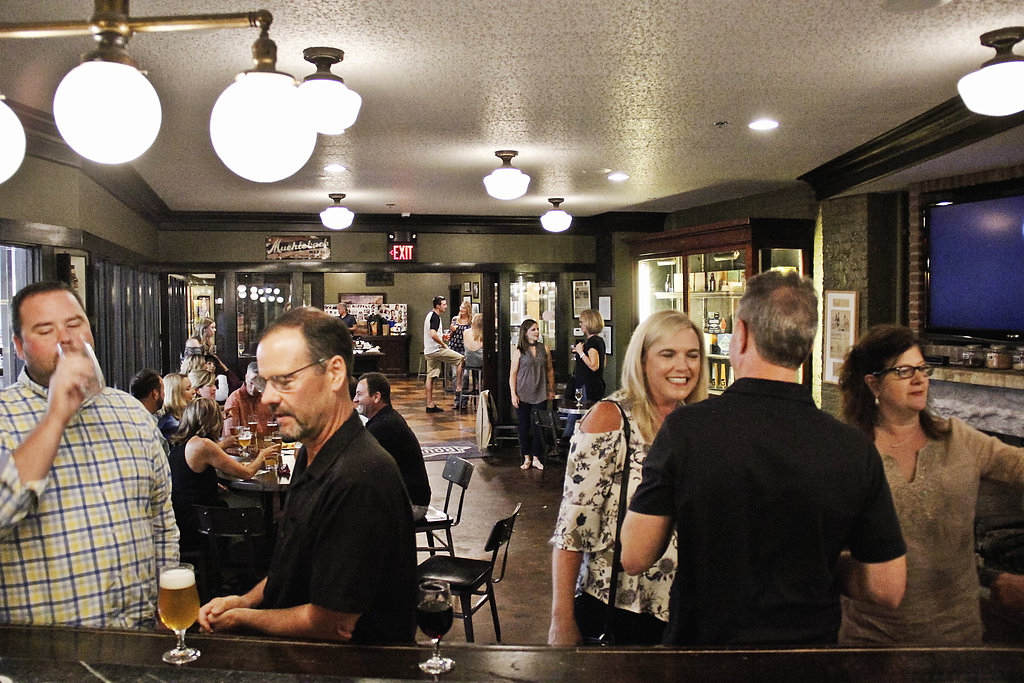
(336, 217)
(335, 168)
(507, 181)
(556, 220)
(257, 125)
(330, 104)
(12, 141)
(763, 124)
(105, 108)
(997, 88)
(618, 177)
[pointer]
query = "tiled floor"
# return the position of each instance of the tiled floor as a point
(497, 485)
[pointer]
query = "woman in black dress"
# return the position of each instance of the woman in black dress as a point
(195, 458)
(589, 372)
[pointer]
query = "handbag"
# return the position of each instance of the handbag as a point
(607, 636)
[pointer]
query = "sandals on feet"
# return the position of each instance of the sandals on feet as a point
(526, 464)
(537, 464)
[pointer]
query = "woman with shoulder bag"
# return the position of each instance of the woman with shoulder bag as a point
(665, 366)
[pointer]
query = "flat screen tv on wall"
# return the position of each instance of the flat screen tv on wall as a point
(975, 276)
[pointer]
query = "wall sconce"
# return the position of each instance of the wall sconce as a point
(108, 112)
(997, 88)
(507, 181)
(330, 103)
(336, 217)
(556, 220)
(12, 141)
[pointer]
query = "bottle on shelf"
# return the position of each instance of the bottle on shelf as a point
(668, 282)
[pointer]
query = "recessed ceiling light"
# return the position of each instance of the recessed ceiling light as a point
(618, 177)
(943, 203)
(335, 168)
(763, 124)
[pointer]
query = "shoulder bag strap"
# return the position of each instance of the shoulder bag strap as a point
(607, 637)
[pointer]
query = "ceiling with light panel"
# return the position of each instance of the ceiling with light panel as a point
(580, 89)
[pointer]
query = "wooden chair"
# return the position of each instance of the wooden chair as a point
(471, 578)
(238, 526)
(457, 472)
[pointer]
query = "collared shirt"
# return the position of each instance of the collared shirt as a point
(83, 545)
(346, 540)
(241, 405)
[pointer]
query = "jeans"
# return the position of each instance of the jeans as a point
(530, 440)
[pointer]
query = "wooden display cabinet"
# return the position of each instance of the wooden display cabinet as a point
(703, 271)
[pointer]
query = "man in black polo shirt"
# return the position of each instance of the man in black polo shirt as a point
(777, 505)
(373, 401)
(344, 564)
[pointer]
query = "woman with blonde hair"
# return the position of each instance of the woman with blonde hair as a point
(473, 341)
(665, 367)
(204, 383)
(178, 393)
(195, 458)
(588, 375)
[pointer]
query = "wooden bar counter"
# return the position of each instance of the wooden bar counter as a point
(65, 654)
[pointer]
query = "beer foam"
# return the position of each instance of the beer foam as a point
(176, 579)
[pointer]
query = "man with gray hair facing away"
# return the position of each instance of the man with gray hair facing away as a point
(778, 506)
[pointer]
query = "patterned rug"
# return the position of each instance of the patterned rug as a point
(463, 449)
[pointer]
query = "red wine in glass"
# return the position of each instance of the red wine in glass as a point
(434, 616)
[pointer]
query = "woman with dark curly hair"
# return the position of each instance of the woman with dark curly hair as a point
(933, 467)
(665, 367)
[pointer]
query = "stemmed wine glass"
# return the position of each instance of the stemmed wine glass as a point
(434, 617)
(178, 604)
(579, 397)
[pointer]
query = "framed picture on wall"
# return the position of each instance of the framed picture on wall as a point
(606, 334)
(465, 286)
(604, 306)
(476, 291)
(840, 331)
(580, 296)
(362, 298)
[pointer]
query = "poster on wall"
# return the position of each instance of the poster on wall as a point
(302, 248)
(840, 331)
(580, 296)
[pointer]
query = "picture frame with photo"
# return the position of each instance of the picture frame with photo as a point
(580, 297)
(840, 331)
(476, 291)
(604, 307)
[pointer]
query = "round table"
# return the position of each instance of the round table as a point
(266, 484)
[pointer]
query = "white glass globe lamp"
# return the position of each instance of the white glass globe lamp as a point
(330, 104)
(107, 111)
(507, 181)
(997, 88)
(556, 220)
(336, 216)
(257, 127)
(12, 142)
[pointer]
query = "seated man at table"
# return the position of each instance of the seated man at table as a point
(373, 401)
(244, 403)
(344, 566)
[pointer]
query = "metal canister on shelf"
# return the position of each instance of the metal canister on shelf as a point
(998, 357)
(973, 356)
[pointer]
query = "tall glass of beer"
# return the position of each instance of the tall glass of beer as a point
(178, 604)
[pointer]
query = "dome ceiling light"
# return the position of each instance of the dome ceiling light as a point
(997, 88)
(336, 216)
(329, 103)
(556, 220)
(257, 125)
(107, 110)
(12, 141)
(507, 181)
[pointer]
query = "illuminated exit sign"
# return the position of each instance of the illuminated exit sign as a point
(401, 246)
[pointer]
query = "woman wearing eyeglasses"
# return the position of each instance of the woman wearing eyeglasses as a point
(933, 466)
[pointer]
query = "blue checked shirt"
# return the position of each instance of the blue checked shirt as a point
(82, 546)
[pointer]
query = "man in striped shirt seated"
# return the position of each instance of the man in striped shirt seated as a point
(85, 492)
